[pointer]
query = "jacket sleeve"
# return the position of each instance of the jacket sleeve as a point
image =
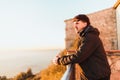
(88, 46)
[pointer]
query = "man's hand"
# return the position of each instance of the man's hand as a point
(55, 60)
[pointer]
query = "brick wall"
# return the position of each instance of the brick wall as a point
(70, 33)
(118, 24)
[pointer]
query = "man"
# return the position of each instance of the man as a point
(91, 55)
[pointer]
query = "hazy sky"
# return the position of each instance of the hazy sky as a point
(38, 24)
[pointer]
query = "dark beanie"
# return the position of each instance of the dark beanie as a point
(83, 18)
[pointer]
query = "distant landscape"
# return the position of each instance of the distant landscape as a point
(14, 62)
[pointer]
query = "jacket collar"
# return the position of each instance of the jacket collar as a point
(84, 31)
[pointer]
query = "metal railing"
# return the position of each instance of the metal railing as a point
(113, 52)
(70, 70)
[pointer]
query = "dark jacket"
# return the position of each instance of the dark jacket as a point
(91, 55)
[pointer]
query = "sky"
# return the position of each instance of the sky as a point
(39, 24)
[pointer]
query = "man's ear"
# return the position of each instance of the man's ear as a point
(85, 23)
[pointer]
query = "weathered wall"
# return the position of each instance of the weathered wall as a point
(118, 25)
(70, 33)
(105, 21)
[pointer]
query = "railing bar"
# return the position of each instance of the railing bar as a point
(113, 51)
(107, 51)
(68, 72)
(113, 54)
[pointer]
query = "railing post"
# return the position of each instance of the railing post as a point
(70, 72)
(72, 75)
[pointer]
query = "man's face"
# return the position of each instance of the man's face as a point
(79, 25)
